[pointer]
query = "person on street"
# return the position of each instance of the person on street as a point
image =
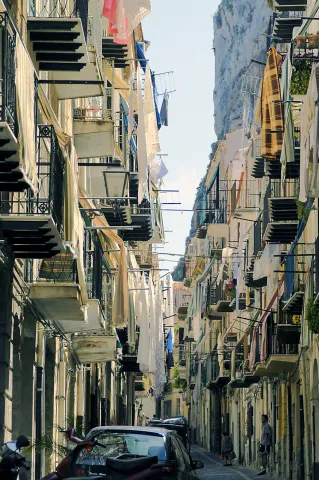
(227, 449)
(265, 444)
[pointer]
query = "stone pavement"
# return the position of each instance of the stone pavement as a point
(214, 469)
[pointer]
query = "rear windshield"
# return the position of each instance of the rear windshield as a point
(123, 445)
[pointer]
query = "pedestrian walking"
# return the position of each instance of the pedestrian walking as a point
(265, 445)
(227, 449)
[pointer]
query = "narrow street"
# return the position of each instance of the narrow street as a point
(214, 469)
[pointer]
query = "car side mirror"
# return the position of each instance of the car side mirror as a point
(22, 441)
(197, 464)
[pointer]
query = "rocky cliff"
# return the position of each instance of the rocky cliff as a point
(238, 37)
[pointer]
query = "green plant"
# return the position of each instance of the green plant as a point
(187, 282)
(301, 209)
(312, 316)
(178, 381)
(300, 78)
(176, 330)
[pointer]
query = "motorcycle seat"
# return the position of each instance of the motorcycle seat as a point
(134, 465)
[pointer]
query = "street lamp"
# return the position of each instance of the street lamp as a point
(116, 180)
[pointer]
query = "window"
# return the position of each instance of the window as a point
(168, 408)
(178, 406)
(123, 444)
(180, 451)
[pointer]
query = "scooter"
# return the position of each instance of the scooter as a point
(63, 470)
(11, 460)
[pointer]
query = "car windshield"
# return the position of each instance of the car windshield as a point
(121, 445)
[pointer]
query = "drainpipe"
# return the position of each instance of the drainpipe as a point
(61, 398)
(39, 400)
(103, 395)
(94, 420)
(290, 433)
(79, 402)
(306, 413)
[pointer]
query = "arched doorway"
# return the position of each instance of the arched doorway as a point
(315, 420)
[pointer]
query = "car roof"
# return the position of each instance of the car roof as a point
(130, 429)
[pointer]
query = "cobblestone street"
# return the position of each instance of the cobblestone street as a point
(214, 468)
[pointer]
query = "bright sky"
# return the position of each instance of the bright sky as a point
(181, 36)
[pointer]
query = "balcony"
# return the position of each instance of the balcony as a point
(294, 286)
(285, 24)
(60, 38)
(216, 203)
(17, 158)
(258, 162)
(244, 381)
(33, 224)
(94, 129)
(282, 341)
(273, 167)
(90, 348)
(61, 303)
(282, 211)
(9, 159)
(218, 304)
(114, 52)
(129, 364)
(244, 198)
(291, 5)
(139, 384)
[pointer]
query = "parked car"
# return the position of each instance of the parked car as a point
(178, 420)
(143, 452)
(178, 424)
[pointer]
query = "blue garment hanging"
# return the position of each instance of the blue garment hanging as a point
(155, 93)
(140, 55)
(170, 341)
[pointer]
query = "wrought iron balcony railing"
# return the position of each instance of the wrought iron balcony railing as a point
(7, 76)
(244, 195)
(61, 9)
(95, 266)
(49, 199)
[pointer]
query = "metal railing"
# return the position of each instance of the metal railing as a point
(61, 9)
(244, 195)
(7, 72)
(182, 354)
(51, 177)
(290, 188)
(95, 108)
(93, 264)
(95, 31)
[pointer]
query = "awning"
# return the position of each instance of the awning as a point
(213, 179)
(120, 85)
(25, 77)
(121, 300)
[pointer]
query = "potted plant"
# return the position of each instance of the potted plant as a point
(312, 316)
(229, 289)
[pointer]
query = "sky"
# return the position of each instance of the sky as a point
(181, 37)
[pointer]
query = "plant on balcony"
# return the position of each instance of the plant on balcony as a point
(229, 289)
(312, 316)
(301, 209)
(178, 381)
(300, 78)
(187, 282)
